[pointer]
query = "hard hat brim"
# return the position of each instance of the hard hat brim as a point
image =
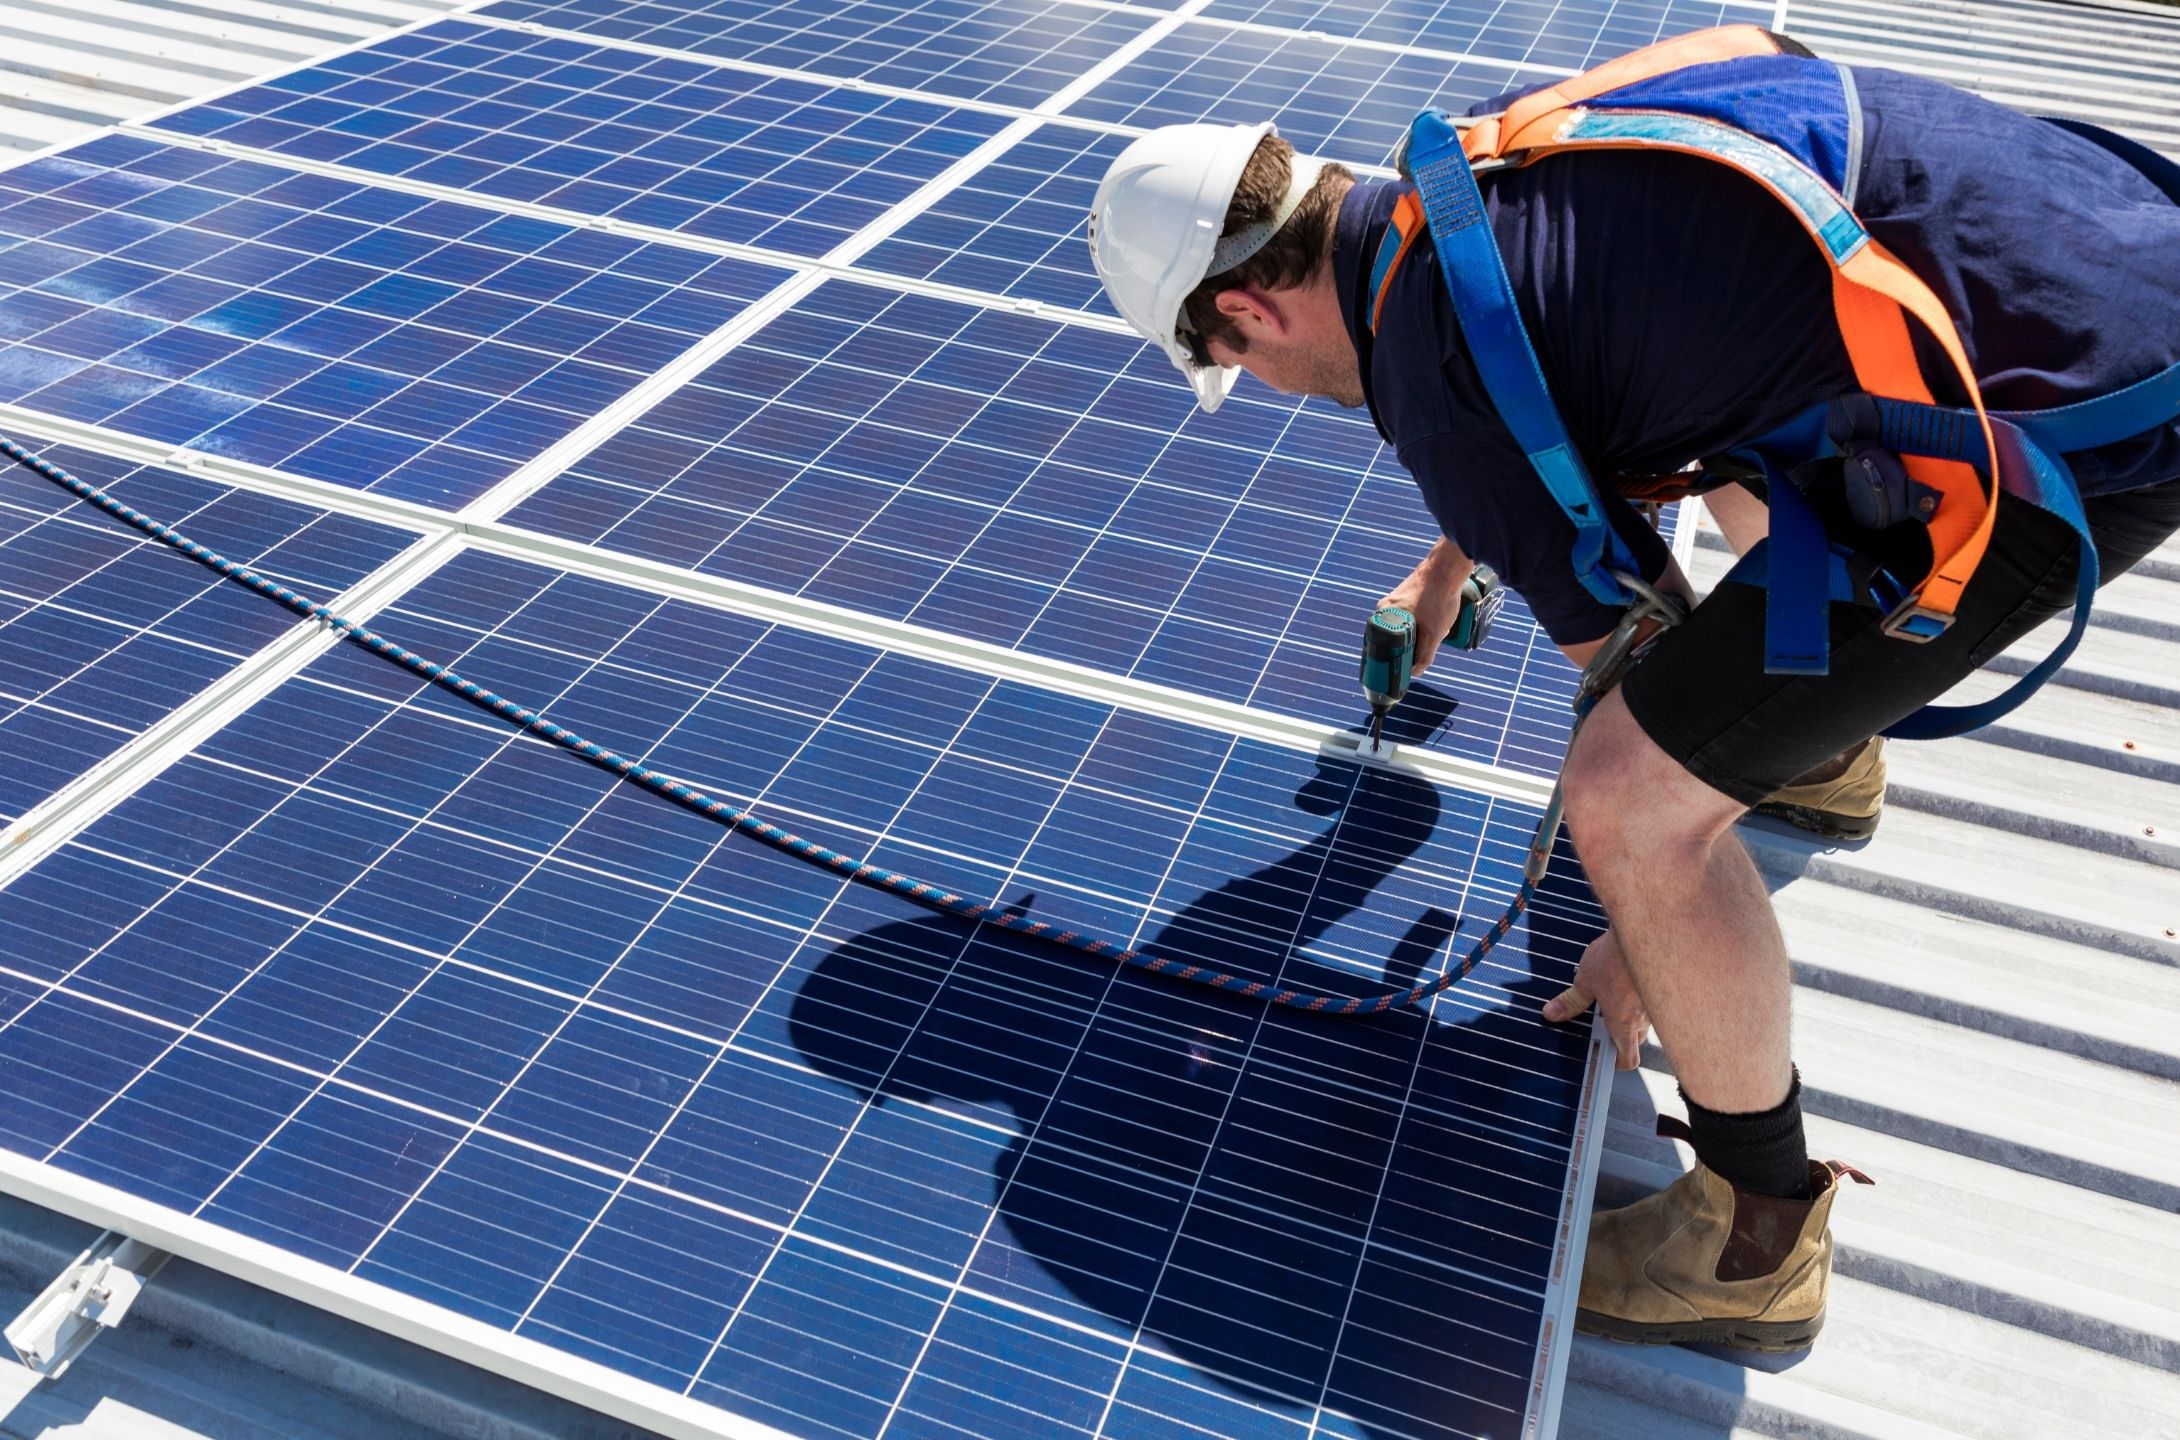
(1151, 302)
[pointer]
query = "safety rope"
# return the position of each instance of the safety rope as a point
(690, 798)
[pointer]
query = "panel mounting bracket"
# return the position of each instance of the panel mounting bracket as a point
(92, 1294)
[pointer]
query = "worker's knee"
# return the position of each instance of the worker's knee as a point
(1626, 798)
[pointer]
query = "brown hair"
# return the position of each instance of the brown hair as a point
(1292, 256)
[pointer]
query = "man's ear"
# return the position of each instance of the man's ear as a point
(1254, 312)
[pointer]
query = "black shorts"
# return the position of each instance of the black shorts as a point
(1703, 697)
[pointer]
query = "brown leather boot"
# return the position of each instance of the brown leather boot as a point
(1839, 799)
(1703, 1262)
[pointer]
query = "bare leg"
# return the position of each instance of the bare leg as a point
(1743, 517)
(1689, 910)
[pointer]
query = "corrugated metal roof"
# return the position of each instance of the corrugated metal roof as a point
(68, 67)
(1987, 993)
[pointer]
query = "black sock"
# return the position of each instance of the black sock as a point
(1764, 1152)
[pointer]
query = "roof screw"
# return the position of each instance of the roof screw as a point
(2171, 933)
(2126, 744)
(2149, 829)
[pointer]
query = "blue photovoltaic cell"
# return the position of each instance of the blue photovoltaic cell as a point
(699, 149)
(1012, 52)
(1015, 227)
(412, 348)
(1052, 488)
(102, 633)
(1573, 33)
(1344, 101)
(389, 986)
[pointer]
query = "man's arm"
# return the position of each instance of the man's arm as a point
(1432, 593)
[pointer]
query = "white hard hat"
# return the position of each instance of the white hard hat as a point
(1154, 231)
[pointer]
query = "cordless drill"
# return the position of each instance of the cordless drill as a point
(1388, 655)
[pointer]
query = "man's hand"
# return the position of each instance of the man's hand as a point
(1432, 593)
(1604, 980)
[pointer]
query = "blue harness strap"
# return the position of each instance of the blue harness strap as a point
(1483, 303)
(1802, 570)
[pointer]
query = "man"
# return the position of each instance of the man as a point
(1678, 310)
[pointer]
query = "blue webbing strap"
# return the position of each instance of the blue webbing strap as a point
(2042, 479)
(1483, 302)
(2086, 424)
(1802, 571)
(1797, 633)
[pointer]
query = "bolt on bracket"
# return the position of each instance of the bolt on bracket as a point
(91, 1295)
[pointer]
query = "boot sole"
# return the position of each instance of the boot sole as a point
(1827, 823)
(1770, 1337)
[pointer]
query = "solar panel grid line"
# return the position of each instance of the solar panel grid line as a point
(1540, 69)
(481, 1127)
(845, 622)
(44, 829)
(364, 365)
(544, 1367)
(847, 1136)
(96, 644)
(262, 684)
(523, 483)
(1424, 1260)
(507, 739)
(758, 67)
(792, 163)
(1061, 676)
(236, 474)
(1136, 1340)
(732, 501)
(370, 36)
(1275, 78)
(1015, 48)
(648, 234)
(1564, 35)
(608, 422)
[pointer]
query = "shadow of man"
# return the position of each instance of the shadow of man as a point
(1302, 1212)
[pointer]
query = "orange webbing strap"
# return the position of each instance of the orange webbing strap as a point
(1495, 135)
(1869, 293)
(1407, 223)
(1872, 294)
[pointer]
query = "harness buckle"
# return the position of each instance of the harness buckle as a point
(1649, 614)
(1915, 622)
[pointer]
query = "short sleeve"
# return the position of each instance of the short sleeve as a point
(1486, 498)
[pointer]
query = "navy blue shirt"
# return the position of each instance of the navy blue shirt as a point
(1677, 310)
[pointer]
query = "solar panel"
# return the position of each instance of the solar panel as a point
(1047, 487)
(1013, 227)
(698, 149)
(102, 635)
(1571, 33)
(402, 993)
(1342, 100)
(425, 1013)
(415, 349)
(1012, 52)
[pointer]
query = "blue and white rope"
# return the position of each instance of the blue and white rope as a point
(861, 871)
